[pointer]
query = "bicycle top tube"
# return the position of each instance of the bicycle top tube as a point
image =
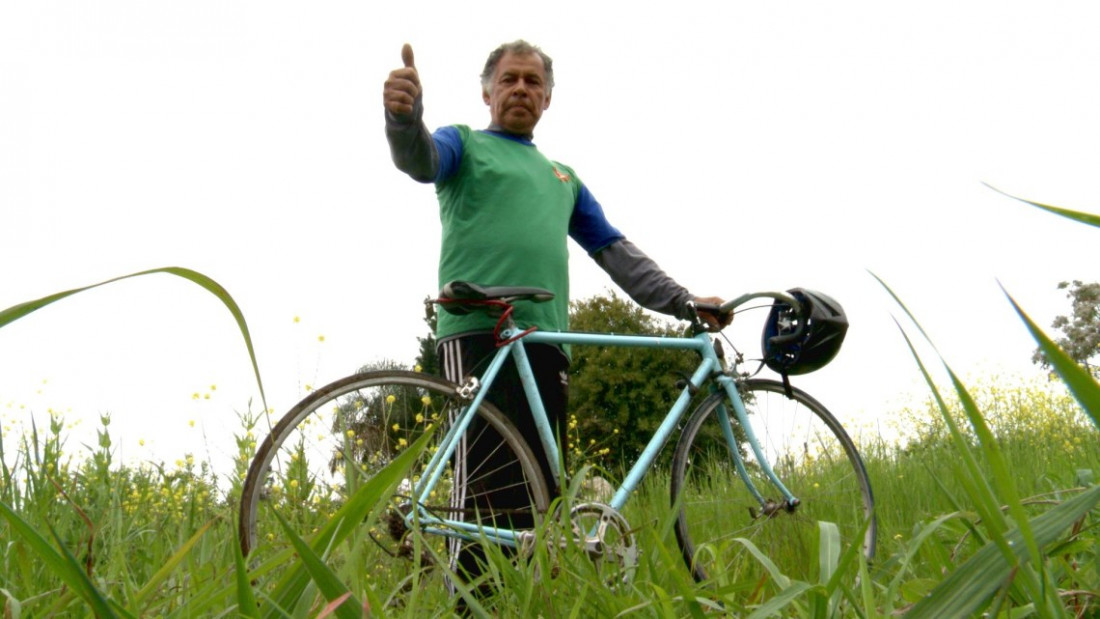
(461, 297)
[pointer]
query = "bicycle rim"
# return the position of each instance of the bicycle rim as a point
(810, 453)
(343, 435)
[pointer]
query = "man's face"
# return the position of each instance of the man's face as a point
(518, 93)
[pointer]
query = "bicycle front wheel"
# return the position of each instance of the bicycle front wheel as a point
(811, 455)
(345, 433)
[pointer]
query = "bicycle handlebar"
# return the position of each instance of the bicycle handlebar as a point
(783, 297)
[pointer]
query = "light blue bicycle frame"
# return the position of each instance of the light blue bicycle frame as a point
(709, 369)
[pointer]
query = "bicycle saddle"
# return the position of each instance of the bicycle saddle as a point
(455, 293)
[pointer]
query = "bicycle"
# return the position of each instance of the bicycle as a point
(757, 459)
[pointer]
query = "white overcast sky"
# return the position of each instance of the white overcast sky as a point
(743, 145)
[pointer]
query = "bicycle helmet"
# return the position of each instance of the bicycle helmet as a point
(795, 344)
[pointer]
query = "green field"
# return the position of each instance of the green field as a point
(83, 535)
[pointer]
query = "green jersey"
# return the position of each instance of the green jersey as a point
(505, 211)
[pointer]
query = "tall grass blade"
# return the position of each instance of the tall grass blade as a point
(867, 591)
(12, 608)
(846, 559)
(985, 499)
(60, 563)
(326, 579)
(1003, 478)
(1085, 218)
(368, 500)
(926, 532)
(681, 580)
(246, 600)
(334, 605)
(829, 549)
(777, 603)
(20, 310)
(169, 566)
(781, 580)
(970, 586)
(1081, 384)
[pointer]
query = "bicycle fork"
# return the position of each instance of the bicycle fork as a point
(768, 507)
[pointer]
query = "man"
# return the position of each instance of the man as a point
(506, 211)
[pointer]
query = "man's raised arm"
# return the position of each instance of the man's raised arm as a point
(411, 146)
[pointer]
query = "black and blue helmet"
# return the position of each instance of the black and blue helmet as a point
(800, 343)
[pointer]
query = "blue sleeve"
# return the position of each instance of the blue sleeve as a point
(448, 143)
(588, 226)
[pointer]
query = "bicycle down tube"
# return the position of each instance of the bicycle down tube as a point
(708, 367)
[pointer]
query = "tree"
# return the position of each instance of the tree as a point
(428, 360)
(1081, 329)
(618, 396)
(370, 415)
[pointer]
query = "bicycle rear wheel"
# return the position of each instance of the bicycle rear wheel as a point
(810, 453)
(344, 434)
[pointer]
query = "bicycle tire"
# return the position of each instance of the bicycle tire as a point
(373, 416)
(811, 454)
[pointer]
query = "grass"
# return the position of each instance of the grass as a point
(159, 541)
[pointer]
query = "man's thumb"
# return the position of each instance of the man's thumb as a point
(407, 55)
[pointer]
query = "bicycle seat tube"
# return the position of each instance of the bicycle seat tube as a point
(534, 400)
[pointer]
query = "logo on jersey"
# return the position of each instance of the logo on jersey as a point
(561, 177)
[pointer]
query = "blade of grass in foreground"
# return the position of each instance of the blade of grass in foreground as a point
(1085, 218)
(1080, 382)
(16, 312)
(61, 564)
(169, 566)
(246, 599)
(327, 581)
(369, 500)
(986, 501)
(963, 592)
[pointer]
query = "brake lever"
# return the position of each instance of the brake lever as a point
(715, 310)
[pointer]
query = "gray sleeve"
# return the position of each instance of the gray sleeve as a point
(411, 145)
(640, 277)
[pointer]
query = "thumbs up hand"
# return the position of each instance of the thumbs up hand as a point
(402, 88)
